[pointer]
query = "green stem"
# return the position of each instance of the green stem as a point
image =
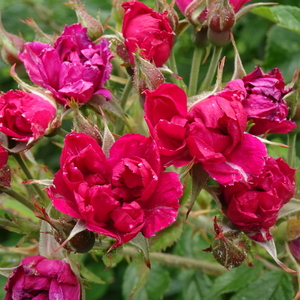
(18, 197)
(179, 261)
(205, 86)
(126, 92)
(27, 173)
(196, 63)
(292, 137)
(173, 67)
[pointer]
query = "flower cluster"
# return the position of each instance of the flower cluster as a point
(114, 185)
(118, 196)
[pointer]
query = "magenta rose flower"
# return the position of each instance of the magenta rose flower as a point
(118, 196)
(253, 207)
(216, 138)
(40, 278)
(263, 101)
(74, 68)
(147, 30)
(166, 116)
(25, 116)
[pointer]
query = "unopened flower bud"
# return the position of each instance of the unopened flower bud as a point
(230, 249)
(220, 16)
(94, 26)
(146, 75)
(10, 45)
(163, 5)
(218, 38)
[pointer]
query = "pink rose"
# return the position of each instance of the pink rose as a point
(216, 138)
(25, 116)
(74, 68)
(166, 116)
(118, 196)
(147, 30)
(263, 101)
(40, 278)
(253, 207)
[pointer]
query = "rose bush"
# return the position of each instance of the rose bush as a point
(40, 278)
(263, 101)
(147, 30)
(74, 68)
(253, 206)
(25, 116)
(118, 196)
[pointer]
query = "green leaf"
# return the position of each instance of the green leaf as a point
(196, 285)
(158, 282)
(135, 277)
(291, 207)
(153, 289)
(234, 280)
(283, 15)
(166, 237)
(142, 244)
(282, 51)
(273, 285)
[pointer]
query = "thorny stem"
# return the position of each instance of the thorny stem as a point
(196, 63)
(26, 202)
(292, 136)
(27, 173)
(179, 261)
(205, 86)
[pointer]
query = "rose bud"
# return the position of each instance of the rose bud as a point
(94, 27)
(147, 30)
(5, 174)
(40, 278)
(230, 249)
(10, 45)
(264, 101)
(253, 207)
(78, 69)
(198, 14)
(25, 117)
(220, 16)
(295, 248)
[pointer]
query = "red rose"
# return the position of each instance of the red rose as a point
(147, 30)
(25, 116)
(166, 116)
(263, 101)
(253, 207)
(216, 138)
(40, 278)
(119, 196)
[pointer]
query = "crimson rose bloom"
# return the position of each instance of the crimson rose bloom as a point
(118, 196)
(253, 207)
(216, 138)
(148, 30)
(166, 116)
(25, 116)
(74, 68)
(263, 101)
(40, 278)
